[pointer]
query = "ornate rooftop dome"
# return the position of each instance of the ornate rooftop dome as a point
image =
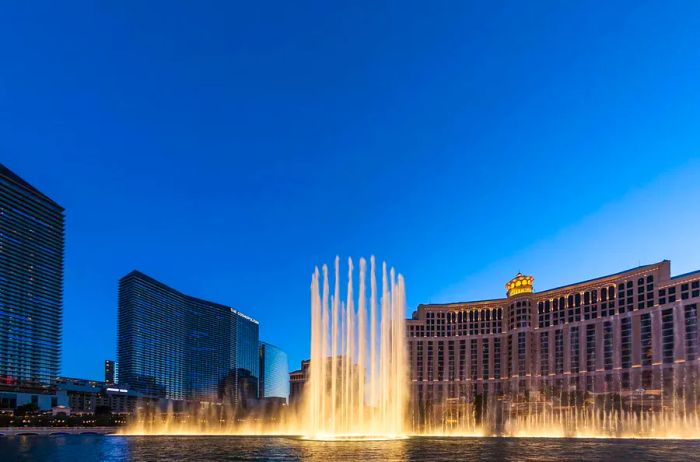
(520, 284)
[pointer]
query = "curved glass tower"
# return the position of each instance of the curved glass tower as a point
(274, 372)
(175, 346)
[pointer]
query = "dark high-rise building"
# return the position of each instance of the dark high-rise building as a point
(176, 346)
(31, 283)
(274, 372)
(109, 372)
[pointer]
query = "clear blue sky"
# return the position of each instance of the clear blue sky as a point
(226, 148)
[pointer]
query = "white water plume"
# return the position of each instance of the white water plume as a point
(358, 372)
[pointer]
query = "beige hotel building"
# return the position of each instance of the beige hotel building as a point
(632, 333)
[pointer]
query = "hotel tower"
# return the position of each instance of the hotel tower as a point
(172, 345)
(632, 335)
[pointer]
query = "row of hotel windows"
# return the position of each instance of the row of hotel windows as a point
(572, 308)
(432, 392)
(518, 342)
(592, 303)
(465, 322)
(562, 310)
(452, 372)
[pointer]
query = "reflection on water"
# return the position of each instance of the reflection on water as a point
(169, 448)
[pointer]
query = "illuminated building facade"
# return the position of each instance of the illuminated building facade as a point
(628, 334)
(297, 380)
(175, 346)
(274, 372)
(31, 284)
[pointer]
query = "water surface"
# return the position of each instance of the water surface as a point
(89, 448)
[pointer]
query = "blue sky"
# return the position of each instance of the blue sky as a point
(227, 148)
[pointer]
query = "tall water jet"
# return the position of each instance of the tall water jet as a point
(357, 386)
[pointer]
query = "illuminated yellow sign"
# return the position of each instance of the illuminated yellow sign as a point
(520, 284)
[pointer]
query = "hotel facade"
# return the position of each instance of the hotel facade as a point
(632, 334)
(171, 345)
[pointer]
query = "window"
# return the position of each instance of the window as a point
(608, 345)
(544, 354)
(419, 360)
(691, 332)
(521, 317)
(430, 361)
(626, 342)
(590, 306)
(640, 293)
(472, 365)
(559, 351)
(574, 349)
(607, 298)
(671, 294)
(485, 358)
(576, 303)
(667, 335)
(509, 365)
(621, 299)
(590, 347)
(497, 357)
(645, 339)
(522, 352)
(451, 360)
(543, 311)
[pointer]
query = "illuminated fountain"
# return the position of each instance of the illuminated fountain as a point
(357, 385)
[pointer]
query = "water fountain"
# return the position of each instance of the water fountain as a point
(357, 385)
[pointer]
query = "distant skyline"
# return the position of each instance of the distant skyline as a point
(228, 149)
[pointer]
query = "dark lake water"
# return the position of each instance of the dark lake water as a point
(115, 448)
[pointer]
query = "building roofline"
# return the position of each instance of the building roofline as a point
(152, 280)
(691, 273)
(470, 302)
(554, 289)
(19, 181)
(638, 268)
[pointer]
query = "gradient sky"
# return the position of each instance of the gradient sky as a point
(226, 148)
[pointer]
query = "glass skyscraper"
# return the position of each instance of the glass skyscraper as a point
(31, 283)
(274, 372)
(175, 346)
